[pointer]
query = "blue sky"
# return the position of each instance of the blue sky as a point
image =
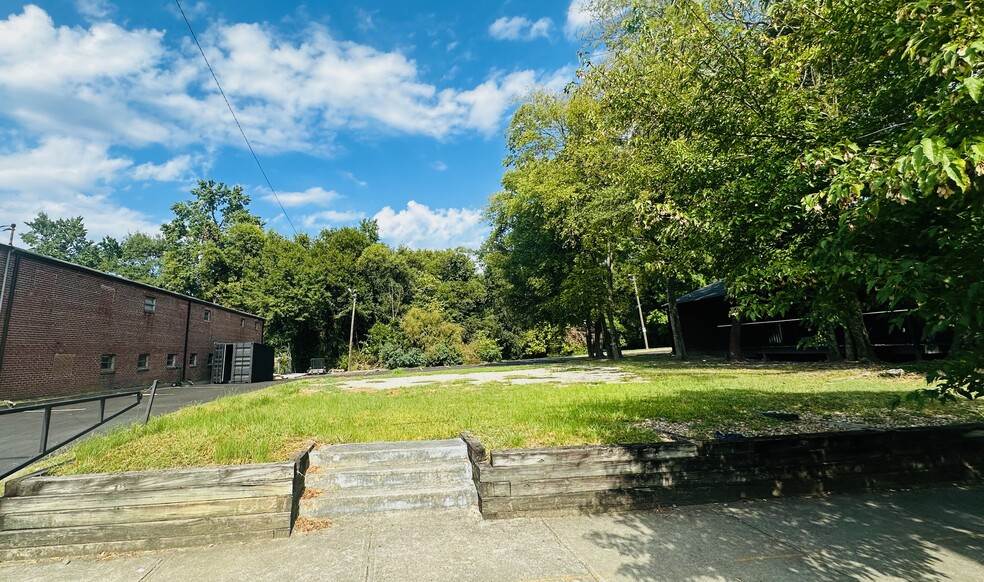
(374, 109)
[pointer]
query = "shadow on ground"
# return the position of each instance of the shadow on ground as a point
(907, 536)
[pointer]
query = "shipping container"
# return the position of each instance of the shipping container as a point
(242, 363)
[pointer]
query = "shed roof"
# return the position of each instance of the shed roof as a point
(714, 290)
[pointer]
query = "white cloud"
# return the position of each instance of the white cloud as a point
(487, 103)
(358, 182)
(315, 195)
(94, 9)
(110, 84)
(175, 169)
(66, 178)
(439, 165)
(328, 218)
(417, 226)
(520, 28)
(82, 83)
(579, 16)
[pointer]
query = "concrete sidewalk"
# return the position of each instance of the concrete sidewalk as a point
(935, 534)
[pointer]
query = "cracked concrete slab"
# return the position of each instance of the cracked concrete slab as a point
(530, 376)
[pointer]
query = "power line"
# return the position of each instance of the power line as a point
(239, 125)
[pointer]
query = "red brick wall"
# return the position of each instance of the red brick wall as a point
(62, 321)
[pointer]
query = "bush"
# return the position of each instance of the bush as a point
(361, 360)
(396, 356)
(381, 334)
(486, 349)
(444, 355)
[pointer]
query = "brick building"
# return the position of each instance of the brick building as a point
(67, 329)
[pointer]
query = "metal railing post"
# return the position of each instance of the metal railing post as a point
(45, 426)
(150, 403)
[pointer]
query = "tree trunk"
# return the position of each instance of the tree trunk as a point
(734, 341)
(679, 349)
(865, 352)
(599, 330)
(587, 338)
(830, 340)
(849, 346)
(605, 343)
(615, 350)
(613, 338)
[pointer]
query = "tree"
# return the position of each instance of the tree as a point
(196, 238)
(62, 238)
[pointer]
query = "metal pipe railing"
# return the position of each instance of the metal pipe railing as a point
(47, 407)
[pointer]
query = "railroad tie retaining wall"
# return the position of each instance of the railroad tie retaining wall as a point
(148, 510)
(567, 480)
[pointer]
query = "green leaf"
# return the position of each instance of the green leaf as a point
(955, 170)
(930, 149)
(974, 86)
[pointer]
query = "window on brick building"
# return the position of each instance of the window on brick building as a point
(256, 325)
(107, 363)
(242, 322)
(172, 361)
(143, 362)
(207, 316)
(150, 304)
(192, 360)
(208, 362)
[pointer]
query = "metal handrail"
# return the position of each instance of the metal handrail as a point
(44, 449)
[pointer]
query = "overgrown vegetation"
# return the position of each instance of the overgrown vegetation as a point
(270, 424)
(823, 157)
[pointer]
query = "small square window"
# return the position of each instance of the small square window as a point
(143, 362)
(107, 363)
(207, 316)
(150, 304)
(192, 360)
(242, 322)
(172, 361)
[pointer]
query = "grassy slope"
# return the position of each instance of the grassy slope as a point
(269, 424)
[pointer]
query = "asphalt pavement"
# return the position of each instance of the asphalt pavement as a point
(20, 433)
(929, 534)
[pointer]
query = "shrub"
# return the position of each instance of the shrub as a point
(361, 360)
(396, 356)
(444, 355)
(486, 349)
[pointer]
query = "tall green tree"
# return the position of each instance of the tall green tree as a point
(62, 238)
(200, 254)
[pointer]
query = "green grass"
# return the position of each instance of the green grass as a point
(269, 424)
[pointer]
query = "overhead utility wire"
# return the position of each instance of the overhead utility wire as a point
(239, 125)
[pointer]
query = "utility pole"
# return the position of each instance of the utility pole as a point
(6, 264)
(351, 330)
(642, 320)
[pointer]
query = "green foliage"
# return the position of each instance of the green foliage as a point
(444, 355)
(821, 157)
(64, 238)
(394, 355)
(486, 349)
